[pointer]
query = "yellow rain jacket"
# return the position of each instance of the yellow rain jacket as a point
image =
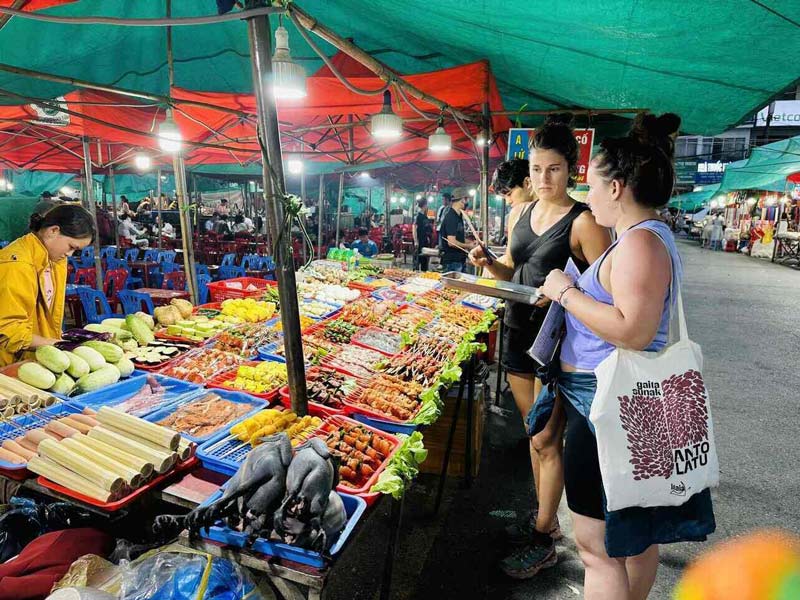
(23, 309)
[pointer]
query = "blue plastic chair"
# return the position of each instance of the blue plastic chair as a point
(201, 269)
(91, 299)
(87, 256)
(133, 302)
(151, 255)
(169, 267)
(116, 263)
(132, 255)
(202, 287)
(107, 252)
(167, 256)
(229, 260)
(75, 263)
(231, 271)
(131, 282)
(252, 262)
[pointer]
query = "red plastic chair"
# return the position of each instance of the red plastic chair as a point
(113, 283)
(174, 281)
(86, 276)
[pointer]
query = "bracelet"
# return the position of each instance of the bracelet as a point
(565, 290)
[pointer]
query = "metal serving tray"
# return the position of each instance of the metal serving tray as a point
(492, 287)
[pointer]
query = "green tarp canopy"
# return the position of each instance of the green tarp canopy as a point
(766, 169)
(15, 213)
(713, 63)
(692, 201)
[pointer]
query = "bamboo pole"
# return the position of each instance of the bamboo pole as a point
(92, 207)
(179, 167)
(320, 213)
(339, 206)
(158, 201)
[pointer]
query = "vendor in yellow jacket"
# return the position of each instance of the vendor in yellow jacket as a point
(33, 278)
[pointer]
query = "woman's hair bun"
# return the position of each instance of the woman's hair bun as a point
(558, 119)
(35, 222)
(658, 131)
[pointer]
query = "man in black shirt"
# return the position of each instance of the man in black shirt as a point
(423, 235)
(454, 246)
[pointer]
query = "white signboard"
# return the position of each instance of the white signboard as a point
(785, 114)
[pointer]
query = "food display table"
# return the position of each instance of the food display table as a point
(161, 297)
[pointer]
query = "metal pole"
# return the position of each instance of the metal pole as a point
(88, 184)
(114, 207)
(258, 33)
(485, 176)
(303, 200)
(158, 202)
(186, 225)
(387, 191)
(339, 206)
(503, 220)
(320, 213)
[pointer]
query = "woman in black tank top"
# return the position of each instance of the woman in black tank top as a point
(551, 230)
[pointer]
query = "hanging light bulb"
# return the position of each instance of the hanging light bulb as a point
(169, 136)
(365, 174)
(9, 186)
(439, 141)
(481, 140)
(430, 198)
(142, 162)
(751, 201)
(289, 78)
(418, 197)
(472, 192)
(394, 198)
(386, 125)
(295, 165)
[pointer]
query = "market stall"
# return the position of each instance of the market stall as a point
(205, 391)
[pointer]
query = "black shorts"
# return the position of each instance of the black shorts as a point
(516, 343)
(582, 480)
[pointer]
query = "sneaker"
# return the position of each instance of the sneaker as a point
(520, 533)
(527, 561)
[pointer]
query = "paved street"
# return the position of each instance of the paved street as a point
(744, 313)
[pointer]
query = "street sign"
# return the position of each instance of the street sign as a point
(519, 140)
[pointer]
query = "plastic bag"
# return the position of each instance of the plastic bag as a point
(25, 520)
(185, 575)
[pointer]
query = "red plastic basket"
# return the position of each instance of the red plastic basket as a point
(220, 381)
(311, 374)
(221, 290)
(334, 422)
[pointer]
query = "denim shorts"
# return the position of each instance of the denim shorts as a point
(629, 531)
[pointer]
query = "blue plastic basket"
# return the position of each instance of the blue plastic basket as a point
(387, 426)
(16, 426)
(223, 456)
(175, 391)
(137, 374)
(238, 397)
(269, 352)
(353, 506)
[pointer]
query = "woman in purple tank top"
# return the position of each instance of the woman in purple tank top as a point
(622, 300)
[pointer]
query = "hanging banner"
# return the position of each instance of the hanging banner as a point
(518, 147)
(51, 116)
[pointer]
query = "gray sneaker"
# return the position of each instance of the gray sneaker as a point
(520, 533)
(528, 560)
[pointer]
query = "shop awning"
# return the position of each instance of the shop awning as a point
(766, 169)
(692, 201)
(545, 55)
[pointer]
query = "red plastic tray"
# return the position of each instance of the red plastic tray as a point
(334, 422)
(362, 409)
(311, 373)
(219, 381)
(326, 362)
(122, 502)
(219, 291)
(356, 341)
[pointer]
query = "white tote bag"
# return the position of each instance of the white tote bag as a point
(652, 417)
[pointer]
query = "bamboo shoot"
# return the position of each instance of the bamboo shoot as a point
(58, 474)
(153, 446)
(70, 459)
(162, 461)
(75, 424)
(145, 468)
(139, 427)
(131, 476)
